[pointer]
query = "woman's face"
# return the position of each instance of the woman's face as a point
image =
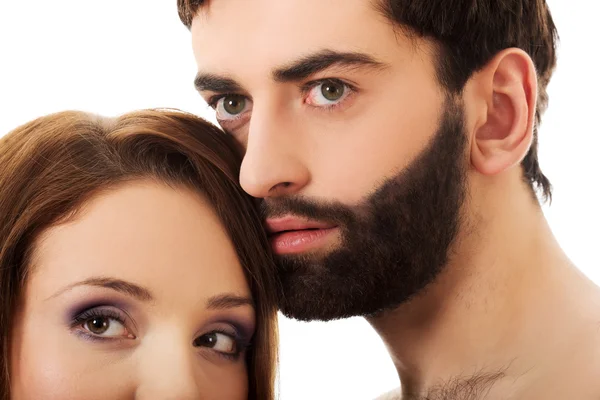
(141, 296)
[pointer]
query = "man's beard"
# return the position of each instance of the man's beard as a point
(393, 244)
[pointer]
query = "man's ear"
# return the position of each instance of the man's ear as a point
(507, 87)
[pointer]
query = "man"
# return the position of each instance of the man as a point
(394, 145)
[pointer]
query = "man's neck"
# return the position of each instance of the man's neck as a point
(506, 312)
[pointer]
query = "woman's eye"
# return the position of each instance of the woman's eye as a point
(217, 341)
(105, 327)
(328, 93)
(231, 107)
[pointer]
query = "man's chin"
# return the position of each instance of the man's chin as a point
(310, 294)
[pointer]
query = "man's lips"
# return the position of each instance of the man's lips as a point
(292, 235)
(279, 225)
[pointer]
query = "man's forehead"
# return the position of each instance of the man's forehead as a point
(241, 34)
(206, 8)
(284, 21)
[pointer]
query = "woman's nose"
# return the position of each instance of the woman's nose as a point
(168, 370)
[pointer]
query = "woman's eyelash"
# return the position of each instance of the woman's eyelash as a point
(78, 321)
(97, 313)
(241, 344)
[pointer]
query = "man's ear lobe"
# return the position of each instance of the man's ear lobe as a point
(510, 85)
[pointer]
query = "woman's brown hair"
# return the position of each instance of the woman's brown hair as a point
(51, 166)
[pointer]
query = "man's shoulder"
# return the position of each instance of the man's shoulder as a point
(395, 394)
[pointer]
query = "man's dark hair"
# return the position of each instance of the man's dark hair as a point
(468, 34)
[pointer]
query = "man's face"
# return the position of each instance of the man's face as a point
(351, 142)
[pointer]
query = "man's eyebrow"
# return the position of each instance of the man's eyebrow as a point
(225, 301)
(317, 62)
(206, 82)
(118, 285)
(295, 71)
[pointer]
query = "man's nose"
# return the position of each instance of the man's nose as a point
(273, 163)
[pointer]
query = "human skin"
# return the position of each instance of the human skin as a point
(173, 311)
(509, 306)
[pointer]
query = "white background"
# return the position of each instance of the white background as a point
(111, 57)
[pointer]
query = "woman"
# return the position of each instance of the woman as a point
(131, 263)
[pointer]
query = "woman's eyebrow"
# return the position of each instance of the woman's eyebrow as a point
(217, 302)
(118, 285)
(228, 300)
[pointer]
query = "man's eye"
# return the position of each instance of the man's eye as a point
(231, 107)
(328, 93)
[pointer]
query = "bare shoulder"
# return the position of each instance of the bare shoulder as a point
(395, 394)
